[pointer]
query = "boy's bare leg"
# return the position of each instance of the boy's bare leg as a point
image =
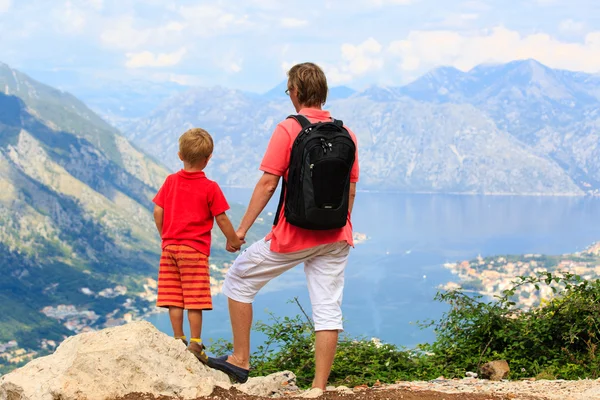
(195, 318)
(176, 317)
(241, 322)
(325, 346)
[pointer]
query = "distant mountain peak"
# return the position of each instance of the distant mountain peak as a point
(380, 93)
(277, 91)
(444, 71)
(528, 62)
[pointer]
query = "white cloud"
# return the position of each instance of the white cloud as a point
(286, 65)
(569, 26)
(456, 20)
(210, 20)
(293, 22)
(362, 58)
(391, 2)
(148, 59)
(426, 49)
(121, 34)
(5, 5)
(72, 18)
(357, 60)
(336, 76)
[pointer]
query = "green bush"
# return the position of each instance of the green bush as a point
(557, 340)
(290, 346)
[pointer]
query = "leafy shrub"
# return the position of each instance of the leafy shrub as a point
(290, 346)
(557, 340)
(559, 337)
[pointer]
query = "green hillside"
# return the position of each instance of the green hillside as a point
(76, 229)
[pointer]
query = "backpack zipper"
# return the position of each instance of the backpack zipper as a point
(324, 145)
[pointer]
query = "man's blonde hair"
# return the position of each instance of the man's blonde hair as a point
(195, 145)
(310, 82)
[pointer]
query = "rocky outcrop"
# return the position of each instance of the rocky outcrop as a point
(273, 385)
(126, 359)
(495, 370)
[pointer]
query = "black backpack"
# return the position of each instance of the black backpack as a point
(317, 190)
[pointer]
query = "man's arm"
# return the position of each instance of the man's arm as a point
(351, 197)
(266, 186)
(158, 218)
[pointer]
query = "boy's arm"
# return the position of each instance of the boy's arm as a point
(158, 218)
(233, 242)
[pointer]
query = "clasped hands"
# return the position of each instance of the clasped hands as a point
(233, 247)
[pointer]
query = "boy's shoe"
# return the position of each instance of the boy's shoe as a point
(236, 373)
(198, 350)
(184, 341)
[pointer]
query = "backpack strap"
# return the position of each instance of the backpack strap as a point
(338, 122)
(304, 123)
(301, 119)
(281, 198)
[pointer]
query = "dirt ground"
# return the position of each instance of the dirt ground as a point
(368, 394)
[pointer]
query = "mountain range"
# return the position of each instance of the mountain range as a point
(77, 235)
(74, 209)
(517, 128)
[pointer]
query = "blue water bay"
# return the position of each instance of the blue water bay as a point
(393, 276)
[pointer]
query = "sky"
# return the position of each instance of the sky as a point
(249, 45)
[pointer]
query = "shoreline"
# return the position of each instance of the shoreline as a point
(490, 276)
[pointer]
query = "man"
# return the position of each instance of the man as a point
(323, 252)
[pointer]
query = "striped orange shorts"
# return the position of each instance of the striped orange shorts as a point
(183, 279)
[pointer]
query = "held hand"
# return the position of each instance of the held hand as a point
(230, 248)
(241, 235)
(234, 246)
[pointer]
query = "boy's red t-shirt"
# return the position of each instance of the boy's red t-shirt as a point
(285, 237)
(190, 201)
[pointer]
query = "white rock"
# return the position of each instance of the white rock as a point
(344, 390)
(312, 393)
(592, 394)
(111, 363)
(273, 385)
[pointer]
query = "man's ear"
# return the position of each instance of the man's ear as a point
(208, 158)
(179, 154)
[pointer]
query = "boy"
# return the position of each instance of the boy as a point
(185, 207)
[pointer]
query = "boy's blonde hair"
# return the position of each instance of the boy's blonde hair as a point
(310, 82)
(195, 145)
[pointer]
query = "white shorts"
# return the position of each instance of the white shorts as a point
(324, 267)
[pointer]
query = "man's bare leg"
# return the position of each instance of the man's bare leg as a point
(325, 347)
(241, 323)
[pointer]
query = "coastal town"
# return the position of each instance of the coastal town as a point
(491, 276)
